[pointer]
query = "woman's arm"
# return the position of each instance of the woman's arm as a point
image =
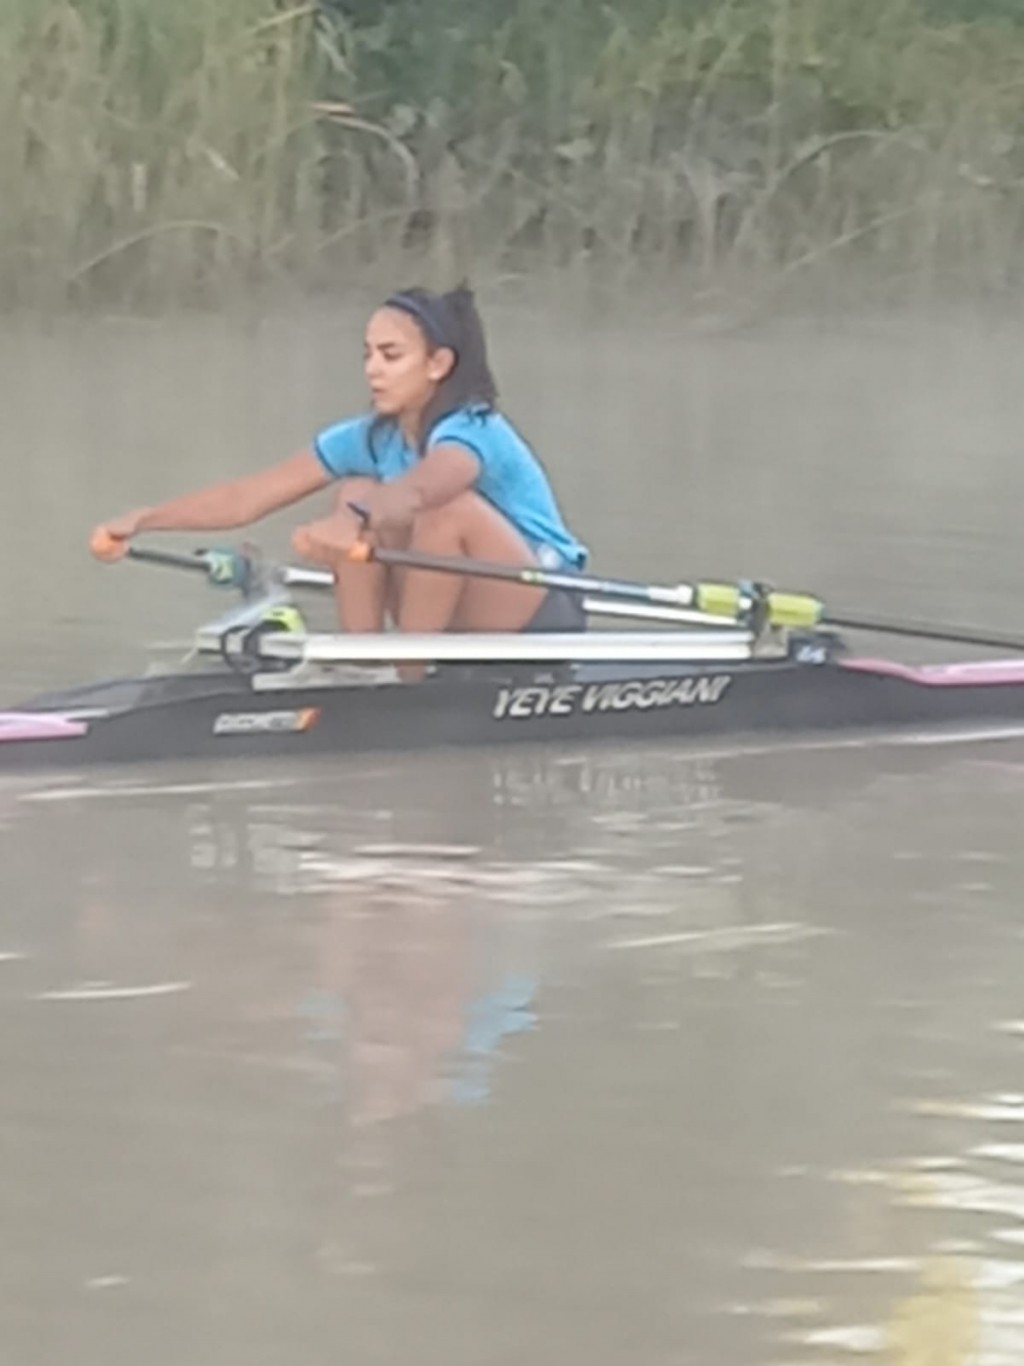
(441, 475)
(225, 506)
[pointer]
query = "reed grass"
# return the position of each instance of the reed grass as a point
(149, 149)
(155, 152)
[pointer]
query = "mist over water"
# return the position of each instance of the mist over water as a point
(602, 1056)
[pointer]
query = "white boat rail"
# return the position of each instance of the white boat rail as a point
(633, 647)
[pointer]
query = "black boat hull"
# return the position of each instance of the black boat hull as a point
(219, 715)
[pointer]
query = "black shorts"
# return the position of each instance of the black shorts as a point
(559, 611)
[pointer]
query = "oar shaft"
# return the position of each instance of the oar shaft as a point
(922, 630)
(226, 568)
(568, 579)
(290, 576)
(728, 601)
(170, 559)
(713, 600)
(443, 564)
(322, 580)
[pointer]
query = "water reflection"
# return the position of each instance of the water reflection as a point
(624, 1056)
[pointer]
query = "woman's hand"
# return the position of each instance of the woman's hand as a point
(109, 542)
(393, 507)
(328, 541)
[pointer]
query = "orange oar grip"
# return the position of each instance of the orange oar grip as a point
(360, 553)
(106, 547)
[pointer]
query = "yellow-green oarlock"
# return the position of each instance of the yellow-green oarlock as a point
(720, 599)
(798, 610)
(784, 609)
(287, 617)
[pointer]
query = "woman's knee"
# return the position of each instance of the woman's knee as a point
(443, 524)
(472, 526)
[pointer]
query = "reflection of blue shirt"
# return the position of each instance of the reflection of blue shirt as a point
(511, 477)
(489, 1020)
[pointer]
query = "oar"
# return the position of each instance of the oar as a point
(231, 568)
(728, 601)
(715, 599)
(796, 610)
(725, 600)
(225, 568)
(923, 630)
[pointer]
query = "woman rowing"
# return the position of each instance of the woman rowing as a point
(434, 466)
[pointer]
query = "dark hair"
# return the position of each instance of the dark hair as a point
(448, 320)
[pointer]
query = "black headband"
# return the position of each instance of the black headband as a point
(431, 316)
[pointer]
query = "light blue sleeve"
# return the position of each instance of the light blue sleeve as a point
(465, 428)
(344, 449)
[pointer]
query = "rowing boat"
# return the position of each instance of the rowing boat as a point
(252, 687)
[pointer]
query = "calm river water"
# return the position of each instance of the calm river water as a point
(611, 1057)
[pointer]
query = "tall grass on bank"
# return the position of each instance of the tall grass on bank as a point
(152, 148)
(151, 151)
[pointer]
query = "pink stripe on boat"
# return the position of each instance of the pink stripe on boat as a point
(27, 725)
(982, 673)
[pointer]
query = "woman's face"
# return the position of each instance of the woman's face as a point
(401, 370)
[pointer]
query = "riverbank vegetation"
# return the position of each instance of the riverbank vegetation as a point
(154, 152)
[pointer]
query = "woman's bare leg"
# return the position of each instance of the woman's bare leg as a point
(467, 526)
(362, 592)
(425, 601)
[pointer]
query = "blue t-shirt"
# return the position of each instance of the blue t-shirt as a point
(511, 477)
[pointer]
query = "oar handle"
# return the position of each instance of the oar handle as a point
(195, 560)
(111, 548)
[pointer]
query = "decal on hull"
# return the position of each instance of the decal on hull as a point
(266, 722)
(571, 699)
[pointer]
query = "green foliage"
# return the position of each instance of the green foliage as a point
(144, 143)
(152, 151)
(971, 11)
